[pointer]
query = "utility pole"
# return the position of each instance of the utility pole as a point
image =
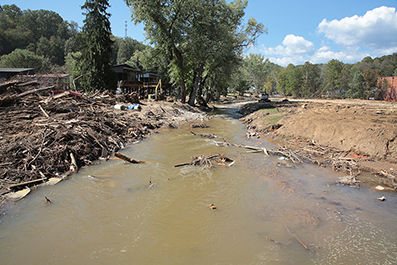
(126, 28)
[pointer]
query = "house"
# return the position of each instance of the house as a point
(128, 78)
(149, 78)
(150, 82)
(7, 73)
(390, 83)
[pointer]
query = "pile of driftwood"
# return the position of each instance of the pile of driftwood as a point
(345, 161)
(46, 132)
(203, 160)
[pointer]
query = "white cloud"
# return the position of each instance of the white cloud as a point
(377, 29)
(293, 50)
(374, 34)
(284, 61)
(325, 54)
(292, 46)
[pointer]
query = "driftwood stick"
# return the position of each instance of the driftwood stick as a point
(10, 83)
(294, 236)
(26, 184)
(33, 91)
(73, 165)
(197, 160)
(271, 240)
(150, 184)
(128, 159)
(204, 135)
(41, 148)
(42, 110)
(74, 80)
(34, 82)
(386, 174)
(183, 164)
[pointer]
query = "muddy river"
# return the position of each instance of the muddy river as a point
(268, 211)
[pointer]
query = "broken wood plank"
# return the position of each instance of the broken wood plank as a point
(128, 159)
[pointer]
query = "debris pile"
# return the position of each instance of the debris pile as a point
(43, 129)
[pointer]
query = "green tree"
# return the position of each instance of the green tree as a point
(282, 81)
(240, 81)
(127, 48)
(257, 68)
(185, 33)
(25, 59)
(217, 43)
(97, 49)
(333, 76)
(357, 86)
(311, 79)
(295, 80)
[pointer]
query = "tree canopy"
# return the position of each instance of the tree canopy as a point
(97, 46)
(196, 36)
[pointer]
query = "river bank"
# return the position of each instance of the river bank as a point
(48, 134)
(51, 134)
(354, 136)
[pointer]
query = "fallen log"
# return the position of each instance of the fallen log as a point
(7, 84)
(128, 159)
(34, 82)
(26, 184)
(33, 91)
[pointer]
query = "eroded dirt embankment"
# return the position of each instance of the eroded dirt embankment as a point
(366, 130)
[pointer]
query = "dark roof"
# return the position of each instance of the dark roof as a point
(126, 67)
(15, 70)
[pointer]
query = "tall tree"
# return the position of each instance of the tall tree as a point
(257, 68)
(186, 31)
(311, 79)
(127, 48)
(165, 23)
(97, 49)
(333, 75)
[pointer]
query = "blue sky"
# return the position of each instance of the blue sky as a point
(298, 31)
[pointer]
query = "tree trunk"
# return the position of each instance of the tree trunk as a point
(182, 76)
(197, 81)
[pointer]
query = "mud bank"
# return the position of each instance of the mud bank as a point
(360, 134)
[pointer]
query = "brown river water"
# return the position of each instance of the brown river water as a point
(269, 211)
